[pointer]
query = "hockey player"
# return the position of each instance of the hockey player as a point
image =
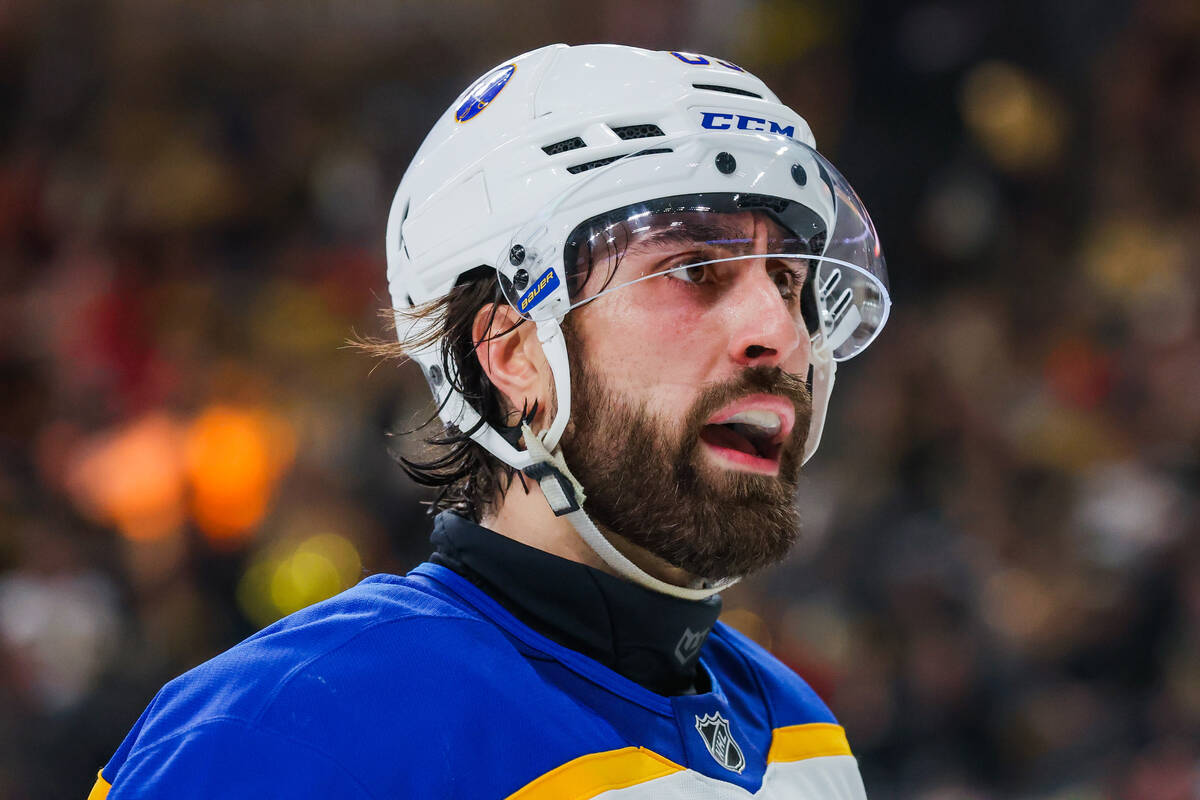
(628, 276)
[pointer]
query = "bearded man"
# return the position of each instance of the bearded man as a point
(627, 276)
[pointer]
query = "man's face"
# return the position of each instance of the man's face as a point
(657, 367)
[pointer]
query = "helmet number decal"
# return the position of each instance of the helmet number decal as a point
(697, 60)
(539, 291)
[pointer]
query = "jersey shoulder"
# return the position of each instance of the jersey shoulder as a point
(746, 666)
(347, 638)
(371, 687)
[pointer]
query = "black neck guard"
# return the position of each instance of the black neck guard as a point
(652, 639)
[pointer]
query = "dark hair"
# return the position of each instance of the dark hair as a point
(469, 480)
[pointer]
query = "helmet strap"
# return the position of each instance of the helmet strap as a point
(565, 495)
(563, 492)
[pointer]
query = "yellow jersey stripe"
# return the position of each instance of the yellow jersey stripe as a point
(797, 742)
(590, 775)
(100, 790)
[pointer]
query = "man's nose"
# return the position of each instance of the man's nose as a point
(763, 329)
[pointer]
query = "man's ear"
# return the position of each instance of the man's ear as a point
(512, 357)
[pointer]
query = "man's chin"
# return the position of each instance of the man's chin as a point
(707, 519)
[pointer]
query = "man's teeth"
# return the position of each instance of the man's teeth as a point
(766, 422)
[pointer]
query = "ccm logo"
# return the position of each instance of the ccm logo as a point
(719, 121)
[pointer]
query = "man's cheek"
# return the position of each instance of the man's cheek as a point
(672, 404)
(798, 362)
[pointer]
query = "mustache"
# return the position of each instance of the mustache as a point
(755, 380)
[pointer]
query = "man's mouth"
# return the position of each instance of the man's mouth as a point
(751, 432)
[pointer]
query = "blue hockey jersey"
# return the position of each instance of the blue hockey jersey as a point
(423, 686)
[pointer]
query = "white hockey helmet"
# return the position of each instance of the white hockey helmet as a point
(563, 136)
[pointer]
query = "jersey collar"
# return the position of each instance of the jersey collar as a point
(650, 638)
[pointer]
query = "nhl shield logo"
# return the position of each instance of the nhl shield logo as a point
(714, 730)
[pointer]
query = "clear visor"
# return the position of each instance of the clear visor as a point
(807, 251)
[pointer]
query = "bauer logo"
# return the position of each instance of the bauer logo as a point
(539, 291)
(728, 121)
(484, 91)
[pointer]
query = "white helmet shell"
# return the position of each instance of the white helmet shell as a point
(483, 171)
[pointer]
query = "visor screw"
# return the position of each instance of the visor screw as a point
(520, 279)
(435, 375)
(799, 175)
(516, 255)
(726, 163)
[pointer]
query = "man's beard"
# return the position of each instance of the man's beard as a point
(647, 481)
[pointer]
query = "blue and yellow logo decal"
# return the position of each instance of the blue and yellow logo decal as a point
(539, 291)
(484, 91)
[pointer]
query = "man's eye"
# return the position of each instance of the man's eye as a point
(787, 282)
(691, 274)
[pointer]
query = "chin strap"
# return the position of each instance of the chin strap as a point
(565, 496)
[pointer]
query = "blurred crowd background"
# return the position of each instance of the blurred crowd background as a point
(998, 591)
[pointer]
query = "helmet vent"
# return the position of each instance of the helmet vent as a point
(584, 167)
(644, 131)
(600, 162)
(776, 204)
(574, 143)
(710, 87)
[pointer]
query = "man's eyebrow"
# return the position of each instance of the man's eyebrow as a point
(691, 233)
(698, 233)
